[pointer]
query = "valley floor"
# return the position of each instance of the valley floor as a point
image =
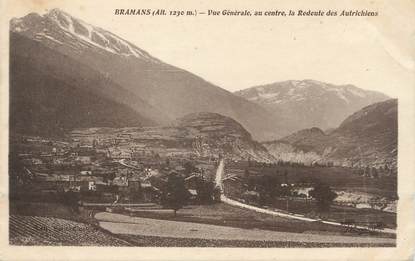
(216, 225)
(293, 215)
(146, 227)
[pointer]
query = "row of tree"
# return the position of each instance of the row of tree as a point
(175, 195)
(373, 172)
(270, 187)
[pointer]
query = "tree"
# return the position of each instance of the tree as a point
(70, 199)
(19, 175)
(189, 168)
(324, 196)
(268, 188)
(205, 191)
(175, 194)
(216, 194)
(109, 177)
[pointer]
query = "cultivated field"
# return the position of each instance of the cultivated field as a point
(226, 215)
(34, 230)
(153, 241)
(165, 229)
(338, 178)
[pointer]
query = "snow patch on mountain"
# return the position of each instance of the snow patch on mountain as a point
(65, 22)
(43, 35)
(268, 95)
(78, 30)
(309, 103)
(340, 93)
(357, 92)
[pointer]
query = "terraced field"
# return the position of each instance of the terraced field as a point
(36, 230)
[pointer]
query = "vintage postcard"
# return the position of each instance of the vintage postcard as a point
(207, 130)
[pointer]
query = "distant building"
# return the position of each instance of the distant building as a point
(91, 186)
(192, 195)
(233, 187)
(86, 172)
(83, 159)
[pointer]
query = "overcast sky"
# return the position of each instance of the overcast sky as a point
(239, 52)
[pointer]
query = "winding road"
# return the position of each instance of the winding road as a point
(140, 226)
(122, 224)
(219, 178)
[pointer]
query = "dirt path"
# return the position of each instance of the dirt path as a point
(218, 181)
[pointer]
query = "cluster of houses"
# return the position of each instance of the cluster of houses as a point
(98, 174)
(97, 186)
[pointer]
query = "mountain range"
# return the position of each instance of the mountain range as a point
(368, 137)
(309, 103)
(65, 73)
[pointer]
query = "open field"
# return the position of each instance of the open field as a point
(137, 226)
(226, 215)
(55, 224)
(153, 241)
(362, 216)
(338, 178)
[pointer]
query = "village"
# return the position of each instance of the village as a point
(108, 171)
(96, 177)
(98, 174)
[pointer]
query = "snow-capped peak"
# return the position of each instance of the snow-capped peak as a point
(75, 28)
(294, 91)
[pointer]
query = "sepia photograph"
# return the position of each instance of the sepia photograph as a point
(217, 125)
